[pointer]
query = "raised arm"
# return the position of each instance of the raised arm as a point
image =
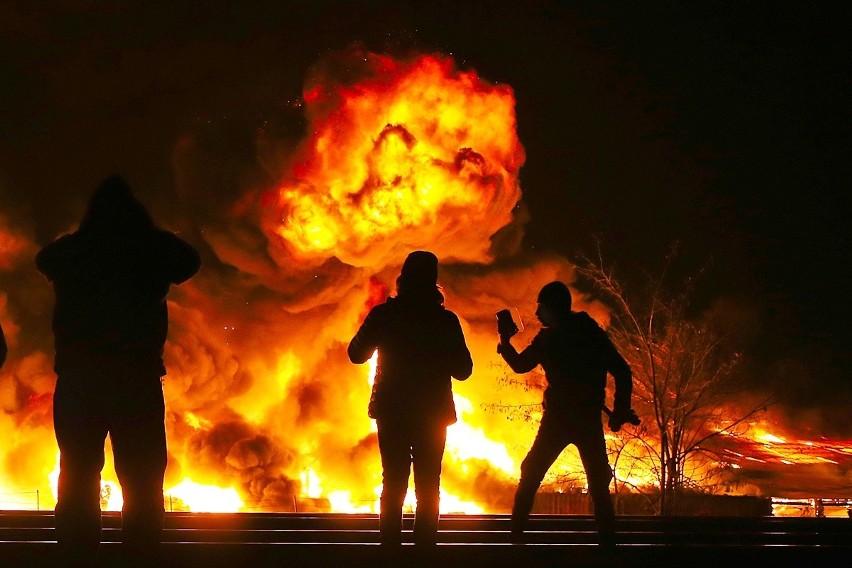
(56, 257)
(522, 362)
(180, 260)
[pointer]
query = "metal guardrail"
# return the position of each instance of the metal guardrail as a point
(261, 540)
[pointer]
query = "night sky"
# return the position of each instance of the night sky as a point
(723, 126)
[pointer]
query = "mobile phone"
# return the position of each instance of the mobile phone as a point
(509, 323)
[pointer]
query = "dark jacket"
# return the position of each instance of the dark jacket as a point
(576, 356)
(111, 278)
(2, 347)
(421, 348)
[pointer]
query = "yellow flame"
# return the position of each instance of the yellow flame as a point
(341, 502)
(417, 148)
(373, 364)
(449, 504)
(196, 422)
(771, 438)
(207, 498)
(311, 485)
(111, 497)
(465, 441)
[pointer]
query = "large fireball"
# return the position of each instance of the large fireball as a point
(409, 154)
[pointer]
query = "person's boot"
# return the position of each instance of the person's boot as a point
(426, 526)
(606, 539)
(390, 530)
(517, 530)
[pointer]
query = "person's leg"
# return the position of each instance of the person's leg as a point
(395, 450)
(591, 446)
(549, 443)
(427, 453)
(139, 447)
(80, 434)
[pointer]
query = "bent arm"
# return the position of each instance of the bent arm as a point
(623, 377)
(522, 362)
(3, 349)
(182, 260)
(54, 257)
(460, 363)
(365, 341)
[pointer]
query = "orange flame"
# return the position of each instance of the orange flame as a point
(414, 155)
(264, 410)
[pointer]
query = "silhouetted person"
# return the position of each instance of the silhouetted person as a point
(3, 349)
(110, 322)
(576, 355)
(421, 348)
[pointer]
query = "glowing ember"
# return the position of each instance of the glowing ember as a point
(762, 446)
(770, 439)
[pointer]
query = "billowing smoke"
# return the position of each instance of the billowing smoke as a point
(299, 240)
(398, 155)
(302, 228)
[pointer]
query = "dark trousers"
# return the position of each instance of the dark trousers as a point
(131, 410)
(582, 428)
(403, 444)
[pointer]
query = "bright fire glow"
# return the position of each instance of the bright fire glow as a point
(262, 403)
(206, 498)
(771, 438)
(416, 153)
(465, 441)
(759, 445)
(448, 504)
(311, 486)
(373, 365)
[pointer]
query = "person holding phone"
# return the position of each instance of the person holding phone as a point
(576, 355)
(111, 278)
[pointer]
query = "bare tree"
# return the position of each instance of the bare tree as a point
(685, 380)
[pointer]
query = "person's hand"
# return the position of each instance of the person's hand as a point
(506, 327)
(622, 416)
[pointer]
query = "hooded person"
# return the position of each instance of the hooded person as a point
(110, 322)
(576, 355)
(421, 348)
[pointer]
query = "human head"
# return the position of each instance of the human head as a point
(114, 207)
(419, 275)
(421, 266)
(554, 302)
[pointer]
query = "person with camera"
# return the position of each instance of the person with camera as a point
(111, 278)
(576, 356)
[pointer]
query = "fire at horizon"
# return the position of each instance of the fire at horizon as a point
(264, 411)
